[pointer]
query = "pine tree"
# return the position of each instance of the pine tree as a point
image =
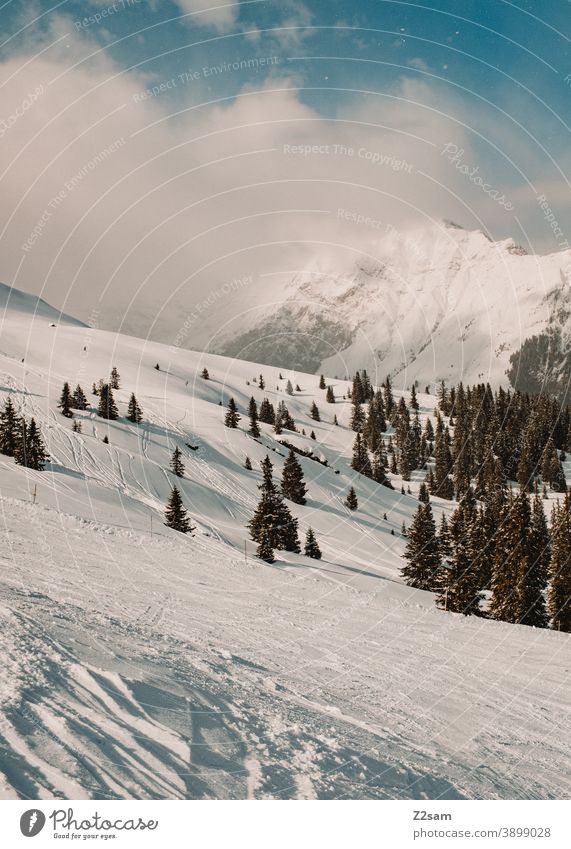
(314, 412)
(261, 383)
(443, 399)
(254, 429)
(389, 400)
(312, 435)
(272, 516)
(444, 538)
(335, 422)
(351, 501)
(421, 552)
(205, 373)
(76, 426)
(311, 548)
(264, 550)
(559, 592)
(361, 462)
(375, 423)
(330, 395)
(79, 401)
(267, 412)
(9, 429)
(283, 419)
(293, 484)
(551, 468)
(423, 494)
(289, 387)
(65, 401)
(322, 383)
(510, 558)
(460, 592)
(429, 431)
(443, 486)
(532, 581)
(107, 408)
(114, 379)
(232, 416)
(413, 398)
(176, 464)
(134, 412)
(526, 468)
(105, 440)
(30, 449)
(94, 388)
(380, 467)
(357, 420)
(248, 464)
(176, 515)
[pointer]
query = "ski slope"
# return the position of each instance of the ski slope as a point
(141, 663)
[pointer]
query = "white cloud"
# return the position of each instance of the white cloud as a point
(214, 193)
(221, 16)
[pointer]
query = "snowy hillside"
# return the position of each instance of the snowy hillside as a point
(139, 662)
(436, 304)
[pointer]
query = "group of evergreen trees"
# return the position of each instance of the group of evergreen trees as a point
(272, 525)
(498, 436)
(106, 408)
(21, 439)
(503, 545)
(370, 425)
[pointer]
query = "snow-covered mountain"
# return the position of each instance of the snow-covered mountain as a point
(137, 662)
(432, 304)
(13, 301)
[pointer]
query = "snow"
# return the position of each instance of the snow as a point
(142, 663)
(436, 303)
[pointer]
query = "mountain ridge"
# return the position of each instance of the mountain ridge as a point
(436, 305)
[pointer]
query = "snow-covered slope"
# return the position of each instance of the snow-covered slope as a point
(138, 662)
(435, 304)
(14, 301)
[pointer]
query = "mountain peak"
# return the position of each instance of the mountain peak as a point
(15, 300)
